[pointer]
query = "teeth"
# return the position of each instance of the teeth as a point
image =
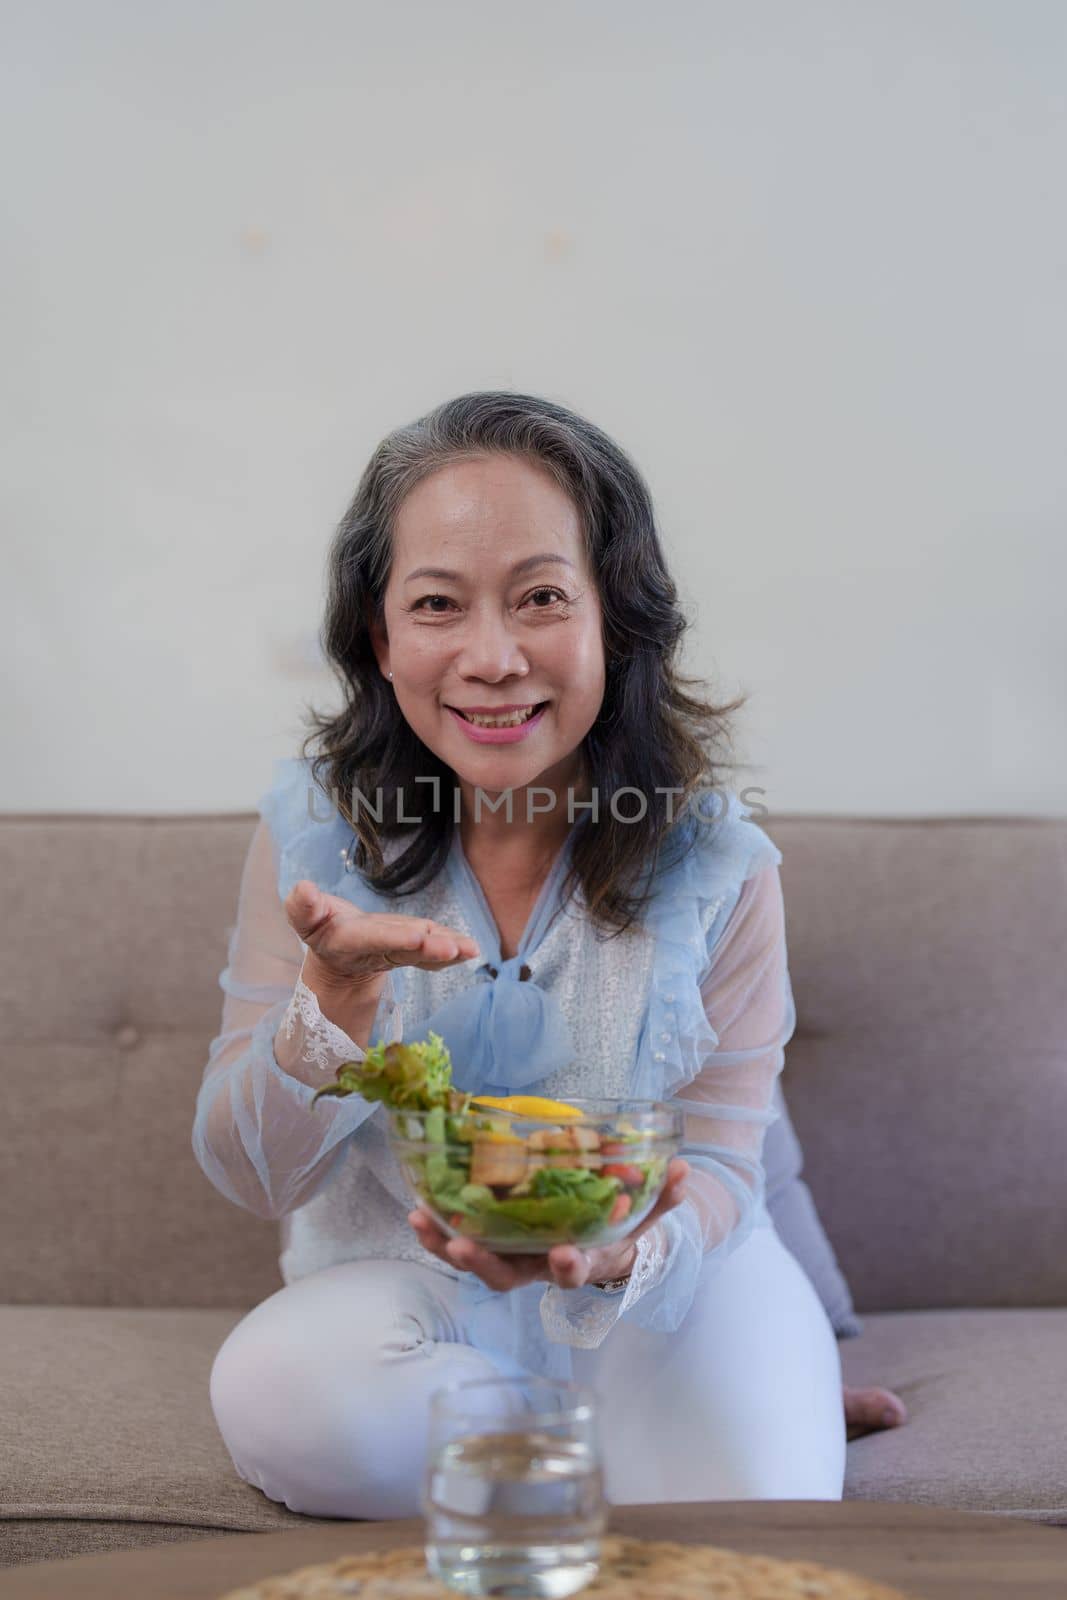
(512, 719)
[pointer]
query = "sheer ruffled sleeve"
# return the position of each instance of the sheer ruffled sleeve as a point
(256, 1134)
(748, 1006)
(748, 1000)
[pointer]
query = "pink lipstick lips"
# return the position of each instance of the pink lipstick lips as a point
(511, 734)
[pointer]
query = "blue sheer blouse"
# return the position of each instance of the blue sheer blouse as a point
(694, 1006)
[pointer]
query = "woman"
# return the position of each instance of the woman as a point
(527, 855)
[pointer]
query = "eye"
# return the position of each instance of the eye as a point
(420, 603)
(543, 591)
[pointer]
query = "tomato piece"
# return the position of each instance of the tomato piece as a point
(626, 1173)
(621, 1209)
(612, 1147)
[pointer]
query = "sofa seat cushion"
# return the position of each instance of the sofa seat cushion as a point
(107, 1437)
(986, 1393)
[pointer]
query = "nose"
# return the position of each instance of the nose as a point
(490, 650)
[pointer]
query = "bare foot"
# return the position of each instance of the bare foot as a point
(869, 1410)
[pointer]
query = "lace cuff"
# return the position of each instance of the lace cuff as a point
(324, 1045)
(584, 1317)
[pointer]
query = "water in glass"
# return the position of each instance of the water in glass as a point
(514, 1494)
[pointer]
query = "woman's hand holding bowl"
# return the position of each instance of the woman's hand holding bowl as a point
(567, 1265)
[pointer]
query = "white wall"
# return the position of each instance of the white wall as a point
(807, 261)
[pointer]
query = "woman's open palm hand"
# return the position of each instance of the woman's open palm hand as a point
(348, 946)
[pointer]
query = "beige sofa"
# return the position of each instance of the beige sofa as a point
(927, 1079)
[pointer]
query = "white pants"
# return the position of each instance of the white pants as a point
(321, 1393)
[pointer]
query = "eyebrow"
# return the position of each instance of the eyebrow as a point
(517, 570)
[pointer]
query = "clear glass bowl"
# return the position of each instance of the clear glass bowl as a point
(520, 1184)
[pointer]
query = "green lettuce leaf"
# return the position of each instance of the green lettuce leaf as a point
(582, 1183)
(408, 1077)
(530, 1217)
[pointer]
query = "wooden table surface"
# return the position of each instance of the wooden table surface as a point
(927, 1553)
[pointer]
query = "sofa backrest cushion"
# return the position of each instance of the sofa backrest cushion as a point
(927, 1077)
(116, 934)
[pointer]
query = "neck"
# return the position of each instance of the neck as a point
(539, 821)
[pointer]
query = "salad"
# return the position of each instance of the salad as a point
(518, 1173)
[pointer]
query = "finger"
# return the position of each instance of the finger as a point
(417, 942)
(494, 1271)
(426, 1224)
(443, 946)
(307, 908)
(568, 1266)
(413, 941)
(429, 1235)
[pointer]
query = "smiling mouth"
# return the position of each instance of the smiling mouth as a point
(506, 719)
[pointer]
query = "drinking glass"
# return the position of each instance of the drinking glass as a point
(513, 1496)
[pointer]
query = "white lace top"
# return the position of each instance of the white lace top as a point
(694, 1004)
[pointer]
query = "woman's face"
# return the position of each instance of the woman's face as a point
(509, 616)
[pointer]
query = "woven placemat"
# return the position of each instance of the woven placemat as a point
(630, 1569)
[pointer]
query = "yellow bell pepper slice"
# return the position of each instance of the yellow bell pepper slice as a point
(528, 1105)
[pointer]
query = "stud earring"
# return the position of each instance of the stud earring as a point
(390, 677)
